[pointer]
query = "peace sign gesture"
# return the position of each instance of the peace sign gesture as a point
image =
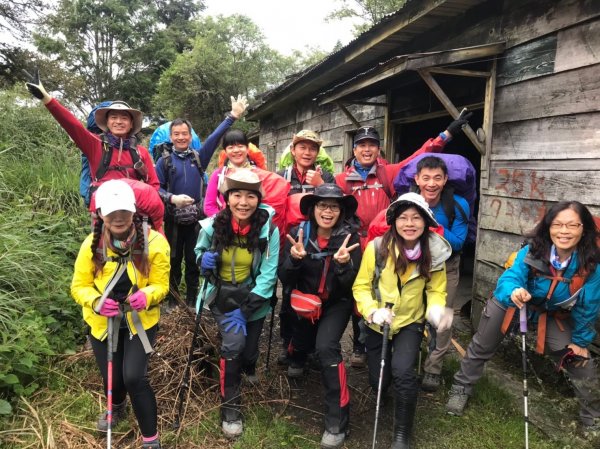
(342, 255)
(297, 251)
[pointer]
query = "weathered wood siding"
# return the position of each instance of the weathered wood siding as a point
(546, 139)
(329, 121)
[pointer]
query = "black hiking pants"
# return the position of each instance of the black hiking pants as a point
(182, 239)
(130, 376)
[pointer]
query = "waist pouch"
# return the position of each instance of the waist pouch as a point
(188, 215)
(306, 305)
(231, 296)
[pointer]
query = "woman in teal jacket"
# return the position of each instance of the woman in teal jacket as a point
(562, 247)
(238, 252)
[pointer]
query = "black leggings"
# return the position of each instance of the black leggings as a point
(130, 377)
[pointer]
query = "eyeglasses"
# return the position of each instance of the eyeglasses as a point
(404, 220)
(325, 206)
(570, 226)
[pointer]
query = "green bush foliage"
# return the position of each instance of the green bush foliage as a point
(42, 223)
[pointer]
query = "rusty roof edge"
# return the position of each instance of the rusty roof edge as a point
(398, 58)
(411, 7)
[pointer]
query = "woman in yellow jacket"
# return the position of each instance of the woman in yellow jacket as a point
(408, 287)
(121, 276)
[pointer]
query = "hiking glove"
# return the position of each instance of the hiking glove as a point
(434, 315)
(457, 125)
(209, 261)
(238, 106)
(110, 308)
(36, 88)
(383, 315)
(235, 320)
(138, 300)
(446, 320)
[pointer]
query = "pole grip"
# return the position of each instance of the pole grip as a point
(523, 318)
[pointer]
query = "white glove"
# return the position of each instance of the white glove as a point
(440, 317)
(383, 315)
(238, 106)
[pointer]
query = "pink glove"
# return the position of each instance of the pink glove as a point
(138, 300)
(110, 308)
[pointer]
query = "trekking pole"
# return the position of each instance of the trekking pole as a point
(185, 383)
(384, 344)
(523, 327)
(273, 304)
(109, 383)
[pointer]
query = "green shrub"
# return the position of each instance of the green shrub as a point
(42, 224)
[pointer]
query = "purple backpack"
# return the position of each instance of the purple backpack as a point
(462, 179)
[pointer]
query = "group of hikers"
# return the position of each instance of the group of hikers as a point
(235, 246)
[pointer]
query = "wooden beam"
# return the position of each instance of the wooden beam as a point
(348, 114)
(366, 103)
(403, 63)
(387, 126)
(459, 72)
(488, 121)
(447, 103)
(435, 114)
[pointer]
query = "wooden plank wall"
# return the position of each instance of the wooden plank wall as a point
(329, 121)
(546, 143)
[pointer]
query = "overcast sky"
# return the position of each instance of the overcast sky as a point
(289, 24)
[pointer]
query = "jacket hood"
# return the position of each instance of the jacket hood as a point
(440, 250)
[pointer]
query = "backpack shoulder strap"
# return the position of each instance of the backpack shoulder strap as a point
(448, 203)
(105, 160)
(379, 266)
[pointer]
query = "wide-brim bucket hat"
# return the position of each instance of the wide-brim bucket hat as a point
(137, 117)
(411, 199)
(329, 191)
(241, 179)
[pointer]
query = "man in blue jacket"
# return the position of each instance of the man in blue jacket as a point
(182, 187)
(452, 212)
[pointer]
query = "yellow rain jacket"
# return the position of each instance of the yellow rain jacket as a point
(409, 304)
(85, 288)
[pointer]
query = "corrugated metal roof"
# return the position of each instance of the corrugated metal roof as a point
(389, 35)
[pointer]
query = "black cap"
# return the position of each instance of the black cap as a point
(329, 191)
(366, 132)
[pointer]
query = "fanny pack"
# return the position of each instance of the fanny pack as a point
(307, 305)
(188, 215)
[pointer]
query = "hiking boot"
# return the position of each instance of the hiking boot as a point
(151, 445)
(119, 414)
(295, 371)
(252, 379)
(233, 429)
(283, 357)
(332, 440)
(358, 359)
(431, 382)
(457, 400)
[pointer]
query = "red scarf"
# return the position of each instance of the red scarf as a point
(236, 228)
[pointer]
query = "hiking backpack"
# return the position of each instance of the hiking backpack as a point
(462, 181)
(162, 137)
(85, 178)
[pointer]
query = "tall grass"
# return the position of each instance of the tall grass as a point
(42, 222)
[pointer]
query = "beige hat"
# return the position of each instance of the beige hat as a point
(241, 179)
(307, 134)
(137, 116)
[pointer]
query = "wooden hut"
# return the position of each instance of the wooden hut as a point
(530, 71)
